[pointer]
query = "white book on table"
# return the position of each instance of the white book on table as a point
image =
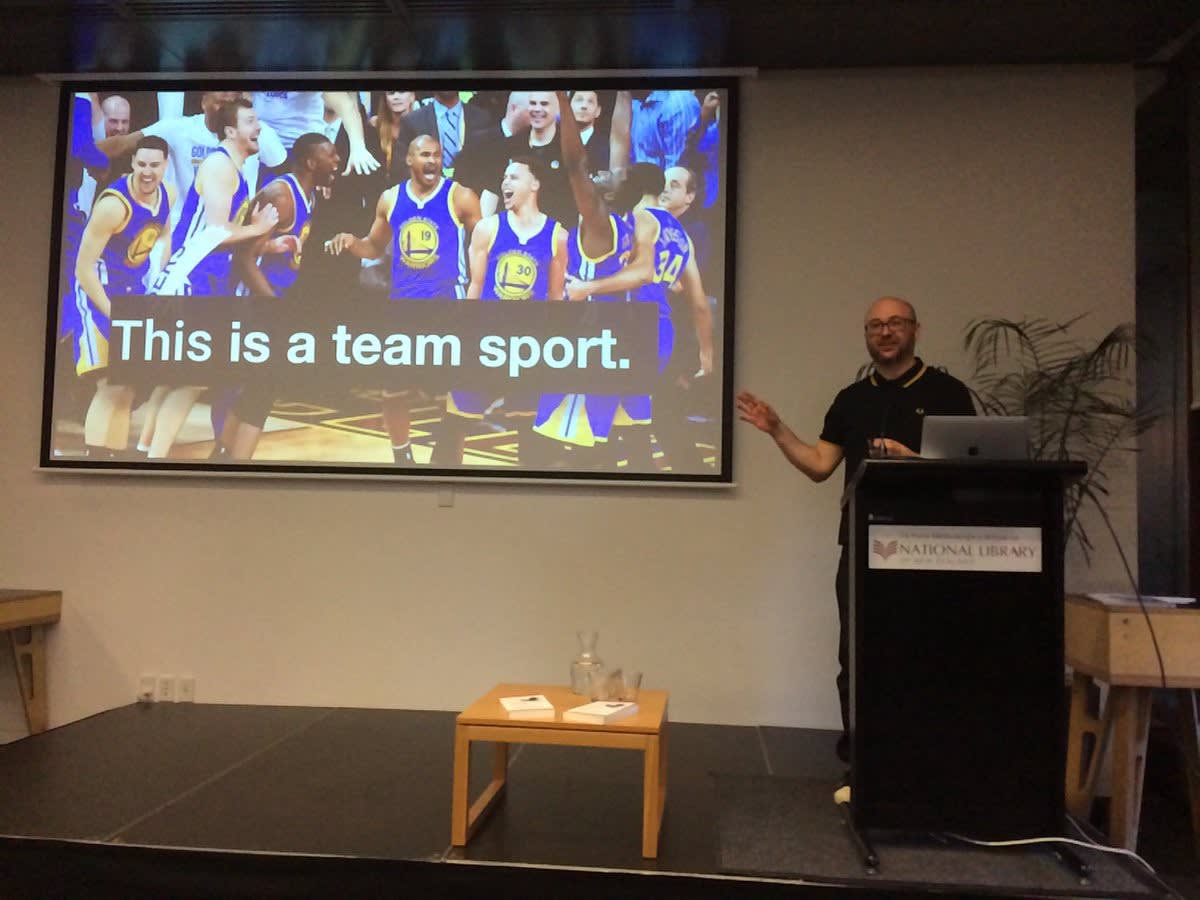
(528, 706)
(1148, 599)
(601, 712)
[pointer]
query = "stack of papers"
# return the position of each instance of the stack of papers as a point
(528, 706)
(1131, 599)
(601, 712)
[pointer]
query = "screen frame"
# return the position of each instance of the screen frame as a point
(723, 477)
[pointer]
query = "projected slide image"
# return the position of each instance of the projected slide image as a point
(513, 282)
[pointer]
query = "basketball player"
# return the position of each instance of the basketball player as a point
(598, 246)
(210, 227)
(269, 267)
(661, 255)
(192, 139)
(428, 221)
(519, 253)
(126, 222)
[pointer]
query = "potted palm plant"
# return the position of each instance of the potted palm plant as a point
(1078, 396)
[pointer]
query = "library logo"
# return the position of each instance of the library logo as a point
(884, 551)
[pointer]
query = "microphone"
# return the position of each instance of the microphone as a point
(880, 450)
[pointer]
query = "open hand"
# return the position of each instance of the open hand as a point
(338, 243)
(360, 161)
(758, 413)
(264, 218)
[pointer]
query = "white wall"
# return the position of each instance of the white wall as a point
(1006, 192)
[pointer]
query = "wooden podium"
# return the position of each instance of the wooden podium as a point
(957, 703)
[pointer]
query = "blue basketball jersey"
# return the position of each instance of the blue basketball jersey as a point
(672, 249)
(516, 269)
(211, 275)
(583, 267)
(122, 268)
(282, 269)
(125, 259)
(429, 251)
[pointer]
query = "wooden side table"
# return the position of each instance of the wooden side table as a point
(1112, 644)
(486, 720)
(25, 615)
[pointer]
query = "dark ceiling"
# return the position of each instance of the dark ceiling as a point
(206, 36)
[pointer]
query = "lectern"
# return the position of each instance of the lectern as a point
(957, 701)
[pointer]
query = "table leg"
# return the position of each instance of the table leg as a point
(1188, 723)
(653, 795)
(1131, 728)
(485, 801)
(462, 780)
(1086, 740)
(29, 656)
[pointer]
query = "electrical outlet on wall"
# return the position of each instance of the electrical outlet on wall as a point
(185, 689)
(164, 691)
(147, 688)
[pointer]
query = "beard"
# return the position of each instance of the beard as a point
(901, 349)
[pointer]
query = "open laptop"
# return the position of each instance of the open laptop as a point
(975, 437)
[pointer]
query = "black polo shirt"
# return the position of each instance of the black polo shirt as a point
(876, 407)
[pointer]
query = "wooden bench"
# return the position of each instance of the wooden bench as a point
(1112, 644)
(25, 615)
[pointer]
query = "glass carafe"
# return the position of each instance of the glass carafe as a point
(586, 663)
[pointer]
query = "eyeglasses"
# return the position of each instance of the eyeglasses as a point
(895, 323)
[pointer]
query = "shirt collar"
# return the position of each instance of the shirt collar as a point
(915, 371)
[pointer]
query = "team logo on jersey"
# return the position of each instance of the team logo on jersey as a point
(418, 242)
(303, 236)
(516, 273)
(241, 216)
(141, 245)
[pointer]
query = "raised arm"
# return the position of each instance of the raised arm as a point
(817, 461)
(345, 106)
(597, 235)
(618, 138)
(375, 243)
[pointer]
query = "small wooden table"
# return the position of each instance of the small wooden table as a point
(1112, 644)
(24, 615)
(486, 720)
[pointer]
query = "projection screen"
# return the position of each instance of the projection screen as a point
(502, 279)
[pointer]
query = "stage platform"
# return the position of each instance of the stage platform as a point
(196, 800)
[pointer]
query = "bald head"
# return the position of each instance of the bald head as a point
(886, 307)
(891, 329)
(425, 161)
(116, 115)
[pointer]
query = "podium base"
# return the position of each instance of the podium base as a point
(869, 856)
